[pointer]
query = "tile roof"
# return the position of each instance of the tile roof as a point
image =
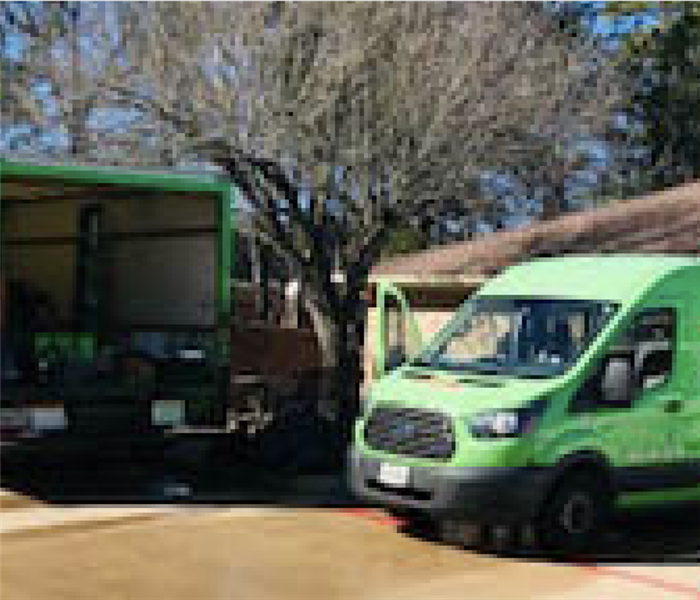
(663, 222)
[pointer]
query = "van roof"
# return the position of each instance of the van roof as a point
(617, 278)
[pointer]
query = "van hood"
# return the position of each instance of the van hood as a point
(460, 395)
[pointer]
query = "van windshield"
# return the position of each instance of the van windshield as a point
(523, 337)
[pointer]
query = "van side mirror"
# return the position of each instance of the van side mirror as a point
(395, 357)
(617, 383)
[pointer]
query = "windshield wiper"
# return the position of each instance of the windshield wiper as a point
(417, 374)
(478, 369)
(532, 375)
(419, 362)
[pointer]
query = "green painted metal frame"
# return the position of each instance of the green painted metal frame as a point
(117, 176)
(2, 165)
(225, 244)
(385, 290)
(200, 183)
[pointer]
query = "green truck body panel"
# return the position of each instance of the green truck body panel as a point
(117, 176)
(656, 448)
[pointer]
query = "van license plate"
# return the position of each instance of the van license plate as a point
(393, 475)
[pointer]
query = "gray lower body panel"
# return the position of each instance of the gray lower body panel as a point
(488, 494)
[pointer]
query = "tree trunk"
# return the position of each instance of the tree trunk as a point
(552, 203)
(554, 199)
(339, 386)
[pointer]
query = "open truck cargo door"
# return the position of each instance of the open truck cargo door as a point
(398, 338)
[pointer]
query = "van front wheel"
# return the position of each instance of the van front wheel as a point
(575, 514)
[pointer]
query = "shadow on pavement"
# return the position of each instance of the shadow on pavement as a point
(660, 536)
(121, 473)
(154, 475)
(668, 536)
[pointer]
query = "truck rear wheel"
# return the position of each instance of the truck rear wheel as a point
(575, 514)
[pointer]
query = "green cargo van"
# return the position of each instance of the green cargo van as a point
(562, 389)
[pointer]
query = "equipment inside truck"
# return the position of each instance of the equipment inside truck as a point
(115, 300)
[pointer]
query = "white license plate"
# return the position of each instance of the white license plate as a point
(47, 418)
(393, 475)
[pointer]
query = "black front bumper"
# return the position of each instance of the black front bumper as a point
(481, 494)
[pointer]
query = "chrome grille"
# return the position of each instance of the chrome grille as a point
(410, 432)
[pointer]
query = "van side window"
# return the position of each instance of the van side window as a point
(654, 339)
(650, 340)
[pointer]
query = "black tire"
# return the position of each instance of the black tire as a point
(413, 521)
(500, 538)
(575, 514)
(463, 534)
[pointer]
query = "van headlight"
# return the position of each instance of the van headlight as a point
(507, 423)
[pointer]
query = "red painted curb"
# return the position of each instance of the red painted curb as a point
(374, 515)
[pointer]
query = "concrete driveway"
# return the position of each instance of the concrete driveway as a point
(304, 541)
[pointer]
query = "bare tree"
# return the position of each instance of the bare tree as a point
(55, 62)
(342, 121)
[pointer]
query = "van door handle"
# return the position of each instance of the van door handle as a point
(673, 406)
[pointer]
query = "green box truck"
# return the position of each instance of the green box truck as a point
(116, 300)
(564, 388)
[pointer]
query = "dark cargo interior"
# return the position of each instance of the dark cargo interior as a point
(110, 305)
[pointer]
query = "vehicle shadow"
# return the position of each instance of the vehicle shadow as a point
(669, 536)
(660, 536)
(132, 476)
